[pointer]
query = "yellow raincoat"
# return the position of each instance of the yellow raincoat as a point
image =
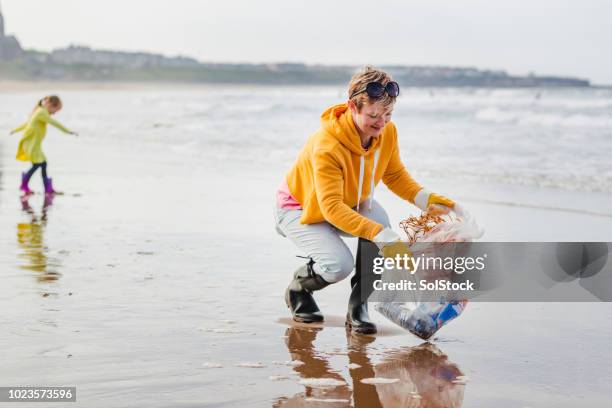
(30, 146)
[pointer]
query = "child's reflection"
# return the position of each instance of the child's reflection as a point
(30, 237)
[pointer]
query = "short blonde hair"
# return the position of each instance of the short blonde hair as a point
(361, 79)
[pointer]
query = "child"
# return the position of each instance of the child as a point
(30, 146)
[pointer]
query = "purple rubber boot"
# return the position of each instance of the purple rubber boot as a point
(24, 184)
(49, 186)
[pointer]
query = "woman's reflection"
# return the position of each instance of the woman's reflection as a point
(425, 377)
(30, 237)
(315, 366)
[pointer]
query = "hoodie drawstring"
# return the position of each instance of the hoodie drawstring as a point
(361, 167)
(372, 185)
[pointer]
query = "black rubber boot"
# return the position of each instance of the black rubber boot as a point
(298, 295)
(357, 317)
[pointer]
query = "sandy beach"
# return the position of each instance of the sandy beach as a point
(157, 279)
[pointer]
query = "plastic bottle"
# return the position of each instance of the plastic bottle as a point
(422, 319)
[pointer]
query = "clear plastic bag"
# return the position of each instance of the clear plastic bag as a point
(425, 318)
(459, 226)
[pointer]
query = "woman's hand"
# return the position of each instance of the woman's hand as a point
(440, 199)
(439, 205)
(391, 246)
(433, 203)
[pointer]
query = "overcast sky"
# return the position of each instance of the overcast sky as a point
(572, 38)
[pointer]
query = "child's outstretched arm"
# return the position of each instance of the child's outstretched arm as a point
(19, 128)
(47, 118)
(58, 125)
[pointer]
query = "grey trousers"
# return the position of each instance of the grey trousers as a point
(321, 241)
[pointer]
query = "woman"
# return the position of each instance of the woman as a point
(30, 146)
(329, 192)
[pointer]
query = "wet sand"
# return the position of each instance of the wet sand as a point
(157, 280)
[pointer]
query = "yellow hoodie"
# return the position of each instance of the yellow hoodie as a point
(333, 173)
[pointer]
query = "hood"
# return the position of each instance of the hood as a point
(338, 122)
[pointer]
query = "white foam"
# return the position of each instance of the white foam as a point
(353, 366)
(379, 380)
(223, 330)
(494, 115)
(212, 365)
(278, 377)
(531, 118)
(294, 363)
(321, 382)
(328, 400)
(251, 365)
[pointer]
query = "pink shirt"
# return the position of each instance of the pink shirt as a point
(284, 199)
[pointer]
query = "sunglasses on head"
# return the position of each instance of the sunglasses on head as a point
(376, 90)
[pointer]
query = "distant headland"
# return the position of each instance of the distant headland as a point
(79, 63)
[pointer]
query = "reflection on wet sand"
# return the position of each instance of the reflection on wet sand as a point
(364, 395)
(315, 366)
(30, 237)
(427, 378)
(418, 377)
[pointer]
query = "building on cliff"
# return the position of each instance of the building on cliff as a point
(9, 45)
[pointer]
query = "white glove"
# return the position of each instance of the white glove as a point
(385, 237)
(433, 203)
(391, 246)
